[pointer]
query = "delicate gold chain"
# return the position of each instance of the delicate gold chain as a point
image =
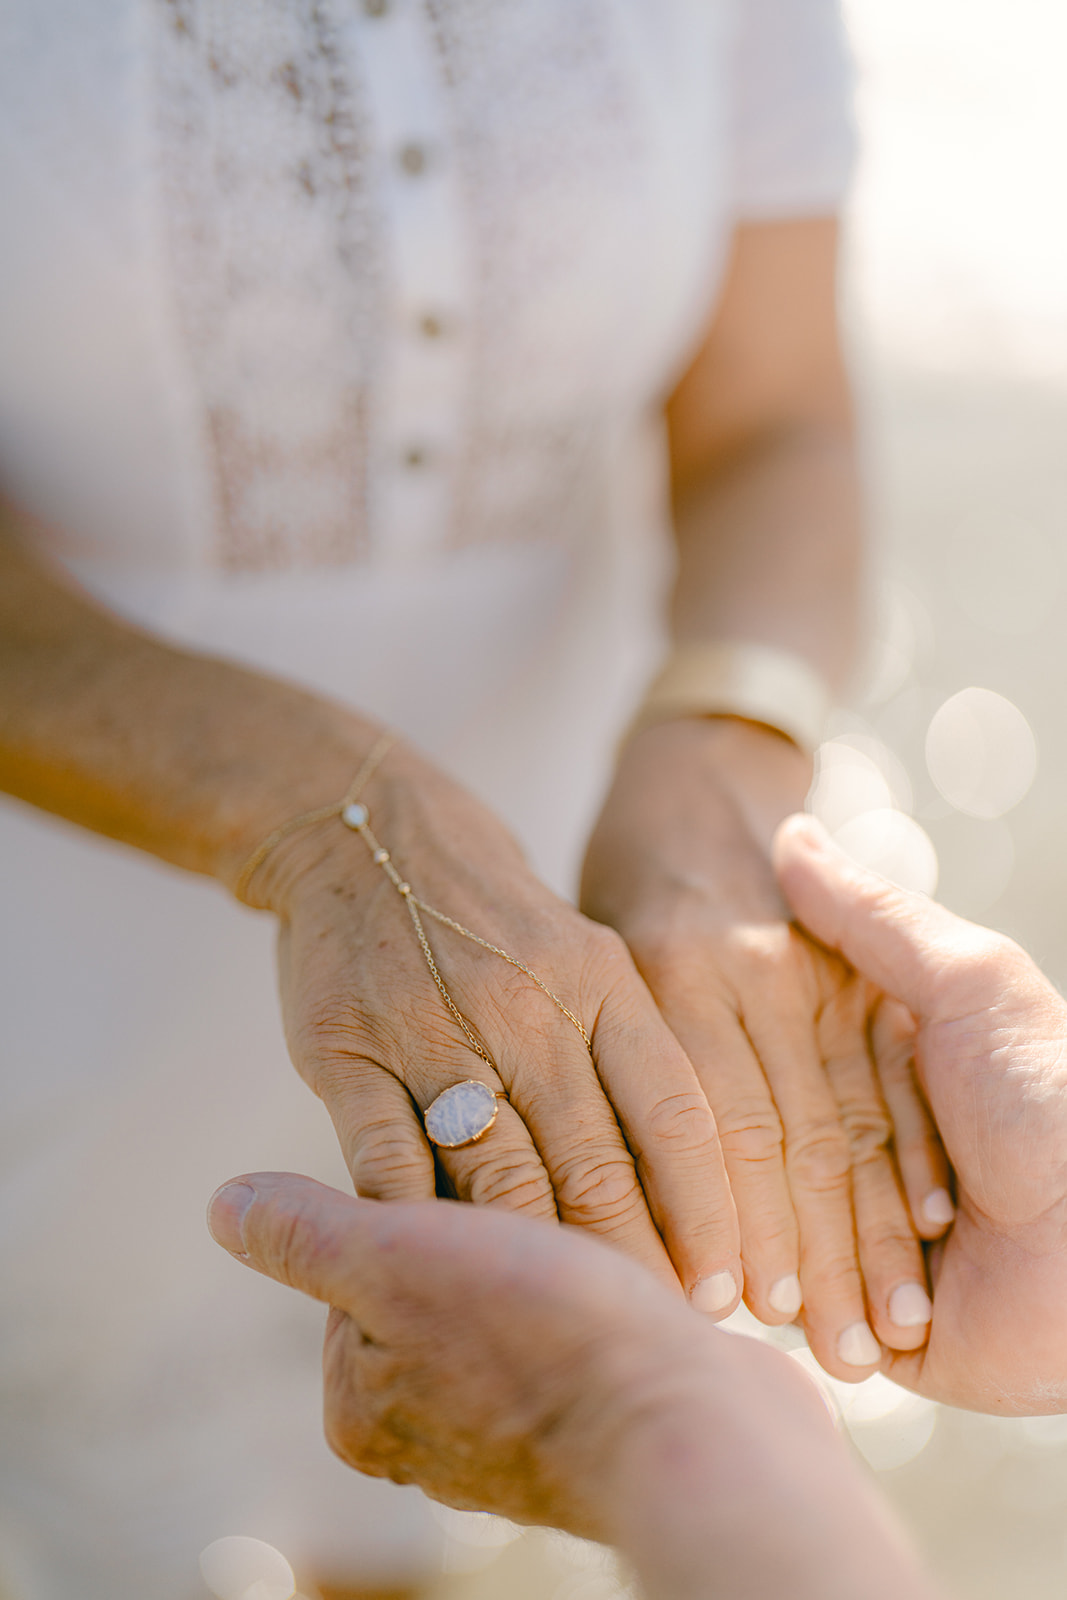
(377, 755)
(355, 815)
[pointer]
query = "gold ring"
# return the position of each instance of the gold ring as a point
(461, 1114)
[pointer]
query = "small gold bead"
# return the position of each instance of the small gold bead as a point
(381, 857)
(404, 888)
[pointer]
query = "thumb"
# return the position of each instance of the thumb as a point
(903, 942)
(297, 1231)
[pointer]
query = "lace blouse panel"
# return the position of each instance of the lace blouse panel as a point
(275, 253)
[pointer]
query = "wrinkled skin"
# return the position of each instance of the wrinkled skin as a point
(509, 1366)
(989, 1038)
(621, 1141)
(493, 1361)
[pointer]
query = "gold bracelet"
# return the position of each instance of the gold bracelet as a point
(374, 760)
(754, 681)
(462, 1113)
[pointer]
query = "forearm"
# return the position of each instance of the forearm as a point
(769, 553)
(769, 546)
(190, 758)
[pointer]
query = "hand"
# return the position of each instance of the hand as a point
(620, 1140)
(991, 1053)
(776, 1029)
(507, 1366)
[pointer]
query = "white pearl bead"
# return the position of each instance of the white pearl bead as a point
(355, 816)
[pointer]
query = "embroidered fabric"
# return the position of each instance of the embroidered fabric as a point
(565, 263)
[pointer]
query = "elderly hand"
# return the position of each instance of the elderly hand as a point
(511, 1367)
(619, 1139)
(777, 1031)
(991, 1053)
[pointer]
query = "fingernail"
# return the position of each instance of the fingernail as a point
(714, 1293)
(909, 1306)
(226, 1213)
(785, 1295)
(857, 1346)
(938, 1208)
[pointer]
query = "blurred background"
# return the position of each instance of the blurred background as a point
(950, 773)
(957, 309)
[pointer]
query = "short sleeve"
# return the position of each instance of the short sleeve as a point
(793, 129)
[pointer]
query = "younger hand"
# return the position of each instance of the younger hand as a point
(776, 1028)
(991, 1053)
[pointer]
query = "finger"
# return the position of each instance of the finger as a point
(379, 1130)
(501, 1168)
(819, 1170)
(921, 1159)
(670, 1130)
(895, 938)
(554, 1089)
(890, 1255)
(750, 1131)
(298, 1232)
(380, 1122)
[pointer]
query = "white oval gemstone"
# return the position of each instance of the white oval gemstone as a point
(461, 1114)
(354, 816)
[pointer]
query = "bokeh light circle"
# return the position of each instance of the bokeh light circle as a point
(847, 783)
(894, 845)
(981, 753)
(888, 1425)
(239, 1568)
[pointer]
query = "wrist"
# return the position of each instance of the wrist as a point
(435, 832)
(722, 677)
(761, 773)
(739, 1485)
(313, 849)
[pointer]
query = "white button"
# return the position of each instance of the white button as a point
(413, 159)
(432, 325)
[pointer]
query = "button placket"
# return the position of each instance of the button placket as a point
(418, 396)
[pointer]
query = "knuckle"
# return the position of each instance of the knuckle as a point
(388, 1162)
(681, 1120)
(752, 1135)
(896, 1063)
(517, 1182)
(605, 946)
(668, 959)
(868, 1131)
(327, 1053)
(819, 1159)
(599, 1190)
